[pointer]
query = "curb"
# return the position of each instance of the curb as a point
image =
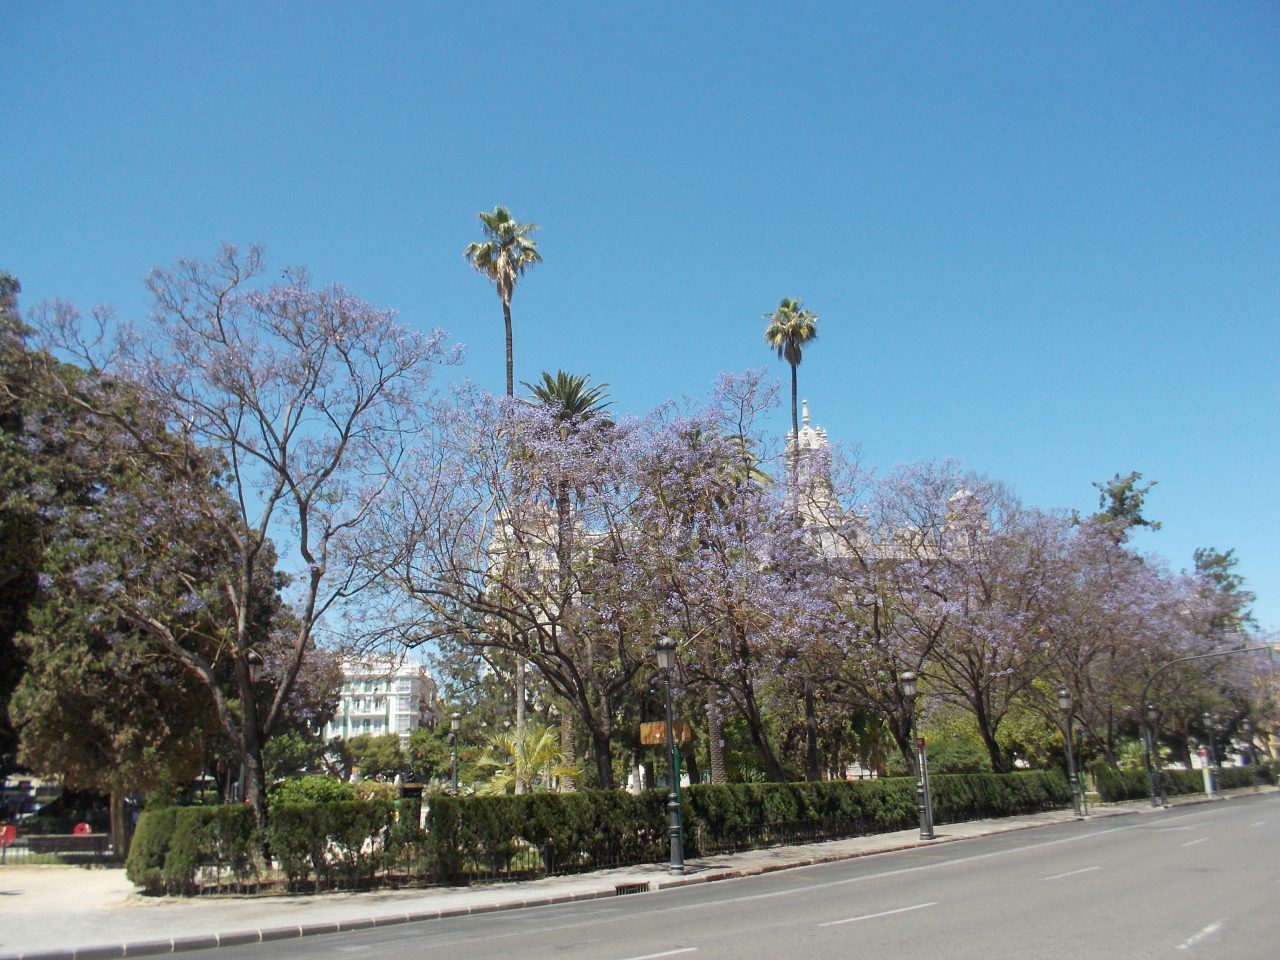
(243, 937)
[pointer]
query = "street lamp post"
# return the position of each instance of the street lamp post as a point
(923, 803)
(1064, 701)
(455, 724)
(666, 650)
(1213, 752)
(1251, 758)
(1154, 772)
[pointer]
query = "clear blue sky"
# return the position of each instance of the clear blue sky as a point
(1042, 238)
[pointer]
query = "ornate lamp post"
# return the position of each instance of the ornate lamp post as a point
(1154, 771)
(923, 802)
(455, 724)
(666, 650)
(1064, 701)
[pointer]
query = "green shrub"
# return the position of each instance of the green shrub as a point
(171, 844)
(224, 837)
(311, 789)
(342, 842)
(149, 848)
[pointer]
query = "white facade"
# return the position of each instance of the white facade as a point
(382, 695)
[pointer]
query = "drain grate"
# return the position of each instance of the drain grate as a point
(623, 889)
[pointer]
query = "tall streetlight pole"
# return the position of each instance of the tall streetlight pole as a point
(1154, 773)
(1064, 701)
(666, 650)
(455, 724)
(923, 802)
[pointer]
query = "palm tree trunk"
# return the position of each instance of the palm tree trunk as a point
(567, 747)
(812, 771)
(715, 745)
(511, 368)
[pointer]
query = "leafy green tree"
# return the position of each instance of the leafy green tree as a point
(378, 757)
(507, 250)
(20, 522)
(1224, 593)
(291, 754)
(1121, 501)
(101, 708)
(430, 756)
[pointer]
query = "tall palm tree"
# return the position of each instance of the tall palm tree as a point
(575, 400)
(503, 256)
(507, 250)
(790, 328)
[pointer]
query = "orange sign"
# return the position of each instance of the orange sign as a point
(655, 734)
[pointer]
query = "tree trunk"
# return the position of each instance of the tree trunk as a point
(906, 746)
(511, 369)
(760, 740)
(119, 834)
(520, 697)
(715, 745)
(253, 788)
(812, 771)
(567, 748)
(603, 758)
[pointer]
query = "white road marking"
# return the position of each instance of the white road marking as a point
(1168, 829)
(1192, 843)
(665, 953)
(1258, 823)
(1059, 876)
(1206, 932)
(884, 913)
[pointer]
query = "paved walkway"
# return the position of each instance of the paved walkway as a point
(73, 913)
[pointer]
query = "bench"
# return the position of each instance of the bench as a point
(94, 844)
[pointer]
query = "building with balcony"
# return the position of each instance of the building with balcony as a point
(383, 694)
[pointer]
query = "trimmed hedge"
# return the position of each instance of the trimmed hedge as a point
(349, 844)
(1113, 784)
(743, 815)
(343, 843)
(172, 844)
(563, 833)
(540, 833)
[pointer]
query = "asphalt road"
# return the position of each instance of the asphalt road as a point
(1197, 881)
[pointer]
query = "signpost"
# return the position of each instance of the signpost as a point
(655, 734)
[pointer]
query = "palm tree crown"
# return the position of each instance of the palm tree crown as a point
(790, 327)
(503, 255)
(574, 398)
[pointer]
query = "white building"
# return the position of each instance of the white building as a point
(381, 695)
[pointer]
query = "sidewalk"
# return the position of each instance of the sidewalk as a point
(73, 913)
